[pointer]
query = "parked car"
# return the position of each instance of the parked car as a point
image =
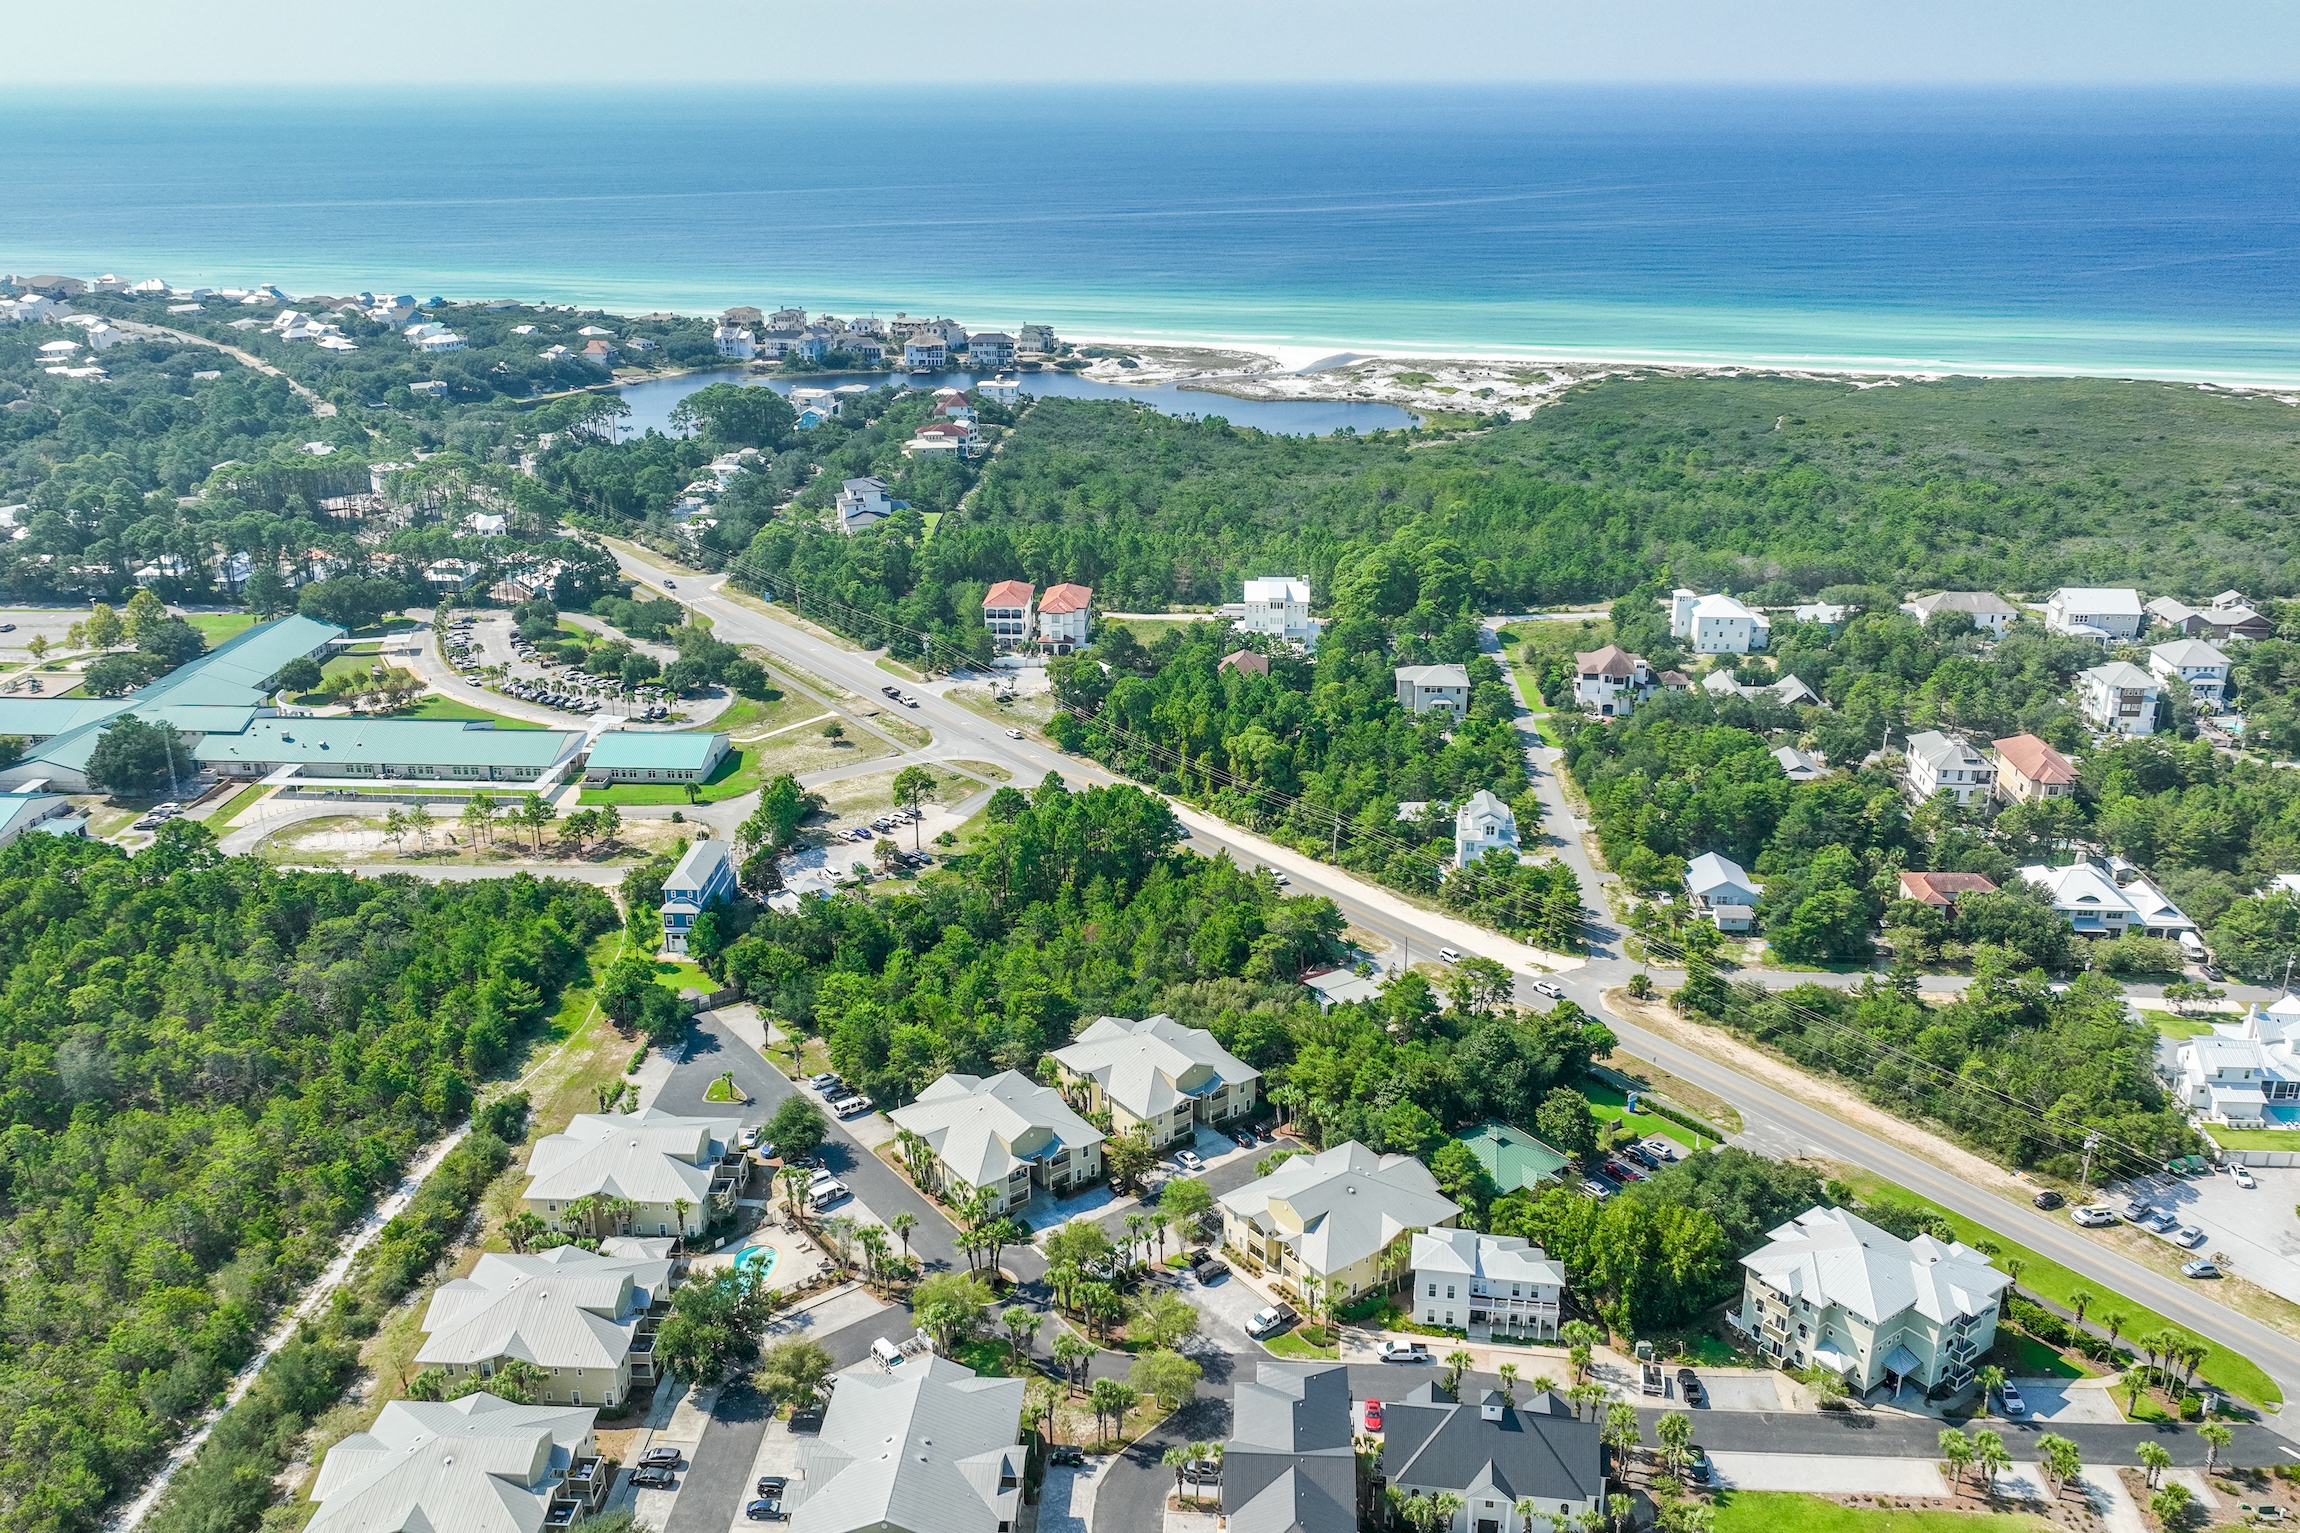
(2188, 1235)
(1188, 1160)
(2048, 1200)
(2244, 1178)
(1272, 1319)
(1662, 1150)
(1065, 1454)
(1210, 1269)
(823, 1082)
(1697, 1466)
(2137, 1210)
(852, 1107)
(2199, 1269)
(772, 1484)
(1596, 1188)
(1689, 1387)
(1550, 988)
(1621, 1171)
(1202, 1471)
(1373, 1415)
(1402, 1352)
(663, 1458)
(2160, 1223)
(2010, 1398)
(651, 1477)
(1649, 1379)
(2095, 1216)
(766, 1509)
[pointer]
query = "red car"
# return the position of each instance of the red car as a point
(1373, 1415)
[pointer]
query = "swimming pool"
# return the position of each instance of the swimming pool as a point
(757, 1262)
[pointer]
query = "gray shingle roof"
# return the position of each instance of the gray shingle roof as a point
(566, 1308)
(1289, 1466)
(1537, 1450)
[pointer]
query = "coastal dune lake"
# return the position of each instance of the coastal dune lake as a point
(2108, 231)
(651, 403)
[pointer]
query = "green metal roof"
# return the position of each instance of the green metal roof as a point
(232, 674)
(1512, 1157)
(689, 749)
(40, 717)
(389, 742)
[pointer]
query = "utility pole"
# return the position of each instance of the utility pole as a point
(2091, 1143)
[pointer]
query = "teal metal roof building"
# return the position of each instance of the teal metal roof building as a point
(634, 755)
(451, 749)
(1512, 1157)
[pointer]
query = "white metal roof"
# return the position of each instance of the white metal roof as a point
(1830, 1256)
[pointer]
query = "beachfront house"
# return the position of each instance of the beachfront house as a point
(1064, 614)
(1717, 624)
(1339, 1218)
(2118, 698)
(2030, 771)
(1006, 610)
(1831, 1290)
(923, 353)
(736, 342)
(2201, 667)
(1423, 687)
(1940, 763)
(989, 348)
(2103, 614)
(1004, 1137)
(1990, 613)
(1608, 682)
(1496, 1287)
(1036, 338)
(704, 877)
(1721, 893)
(1156, 1075)
(1483, 824)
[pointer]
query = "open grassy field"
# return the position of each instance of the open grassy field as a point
(216, 627)
(433, 705)
(1771, 1511)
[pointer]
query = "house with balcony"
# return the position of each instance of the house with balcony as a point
(704, 877)
(1158, 1075)
(2230, 616)
(1937, 763)
(1035, 338)
(1278, 605)
(1006, 609)
(2086, 895)
(642, 1174)
(1065, 613)
(2200, 667)
(1991, 613)
(1005, 1137)
(1831, 1290)
(2030, 771)
(1423, 687)
(1494, 1457)
(1338, 1218)
(1483, 824)
(863, 503)
(1716, 624)
(2103, 614)
(2245, 1074)
(735, 342)
(586, 1320)
(1610, 682)
(2118, 698)
(476, 1465)
(1721, 893)
(1496, 1287)
(923, 352)
(990, 348)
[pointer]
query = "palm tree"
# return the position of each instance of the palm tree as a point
(679, 1207)
(1021, 1327)
(2062, 1461)
(2114, 1319)
(1991, 1379)
(1456, 1364)
(1176, 1458)
(1675, 1431)
(1957, 1453)
(1542, 1384)
(1524, 1509)
(1620, 1432)
(902, 1224)
(1618, 1508)
(2081, 1300)
(1071, 1353)
(1509, 1384)
(2216, 1437)
(1990, 1454)
(2154, 1460)
(2135, 1380)
(1443, 1506)
(794, 1180)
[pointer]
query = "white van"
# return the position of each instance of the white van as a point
(887, 1353)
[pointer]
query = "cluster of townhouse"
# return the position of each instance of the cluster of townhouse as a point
(1055, 623)
(225, 717)
(919, 345)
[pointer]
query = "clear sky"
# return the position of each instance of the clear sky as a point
(881, 44)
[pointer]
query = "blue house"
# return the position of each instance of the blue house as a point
(704, 877)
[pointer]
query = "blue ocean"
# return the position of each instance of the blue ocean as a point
(2090, 232)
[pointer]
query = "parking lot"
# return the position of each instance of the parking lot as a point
(2256, 1230)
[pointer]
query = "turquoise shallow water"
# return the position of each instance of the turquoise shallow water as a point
(2088, 232)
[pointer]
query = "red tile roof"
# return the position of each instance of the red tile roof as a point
(2035, 760)
(1942, 889)
(1066, 598)
(1008, 593)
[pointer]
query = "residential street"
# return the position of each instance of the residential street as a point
(1772, 1119)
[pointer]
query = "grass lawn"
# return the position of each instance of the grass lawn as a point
(2239, 1375)
(894, 667)
(2024, 1357)
(2176, 1027)
(1606, 1103)
(989, 1357)
(737, 774)
(433, 705)
(223, 812)
(1773, 1511)
(1287, 1344)
(721, 1091)
(2255, 1138)
(679, 974)
(215, 627)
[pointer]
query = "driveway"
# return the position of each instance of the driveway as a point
(1829, 1476)
(2060, 1400)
